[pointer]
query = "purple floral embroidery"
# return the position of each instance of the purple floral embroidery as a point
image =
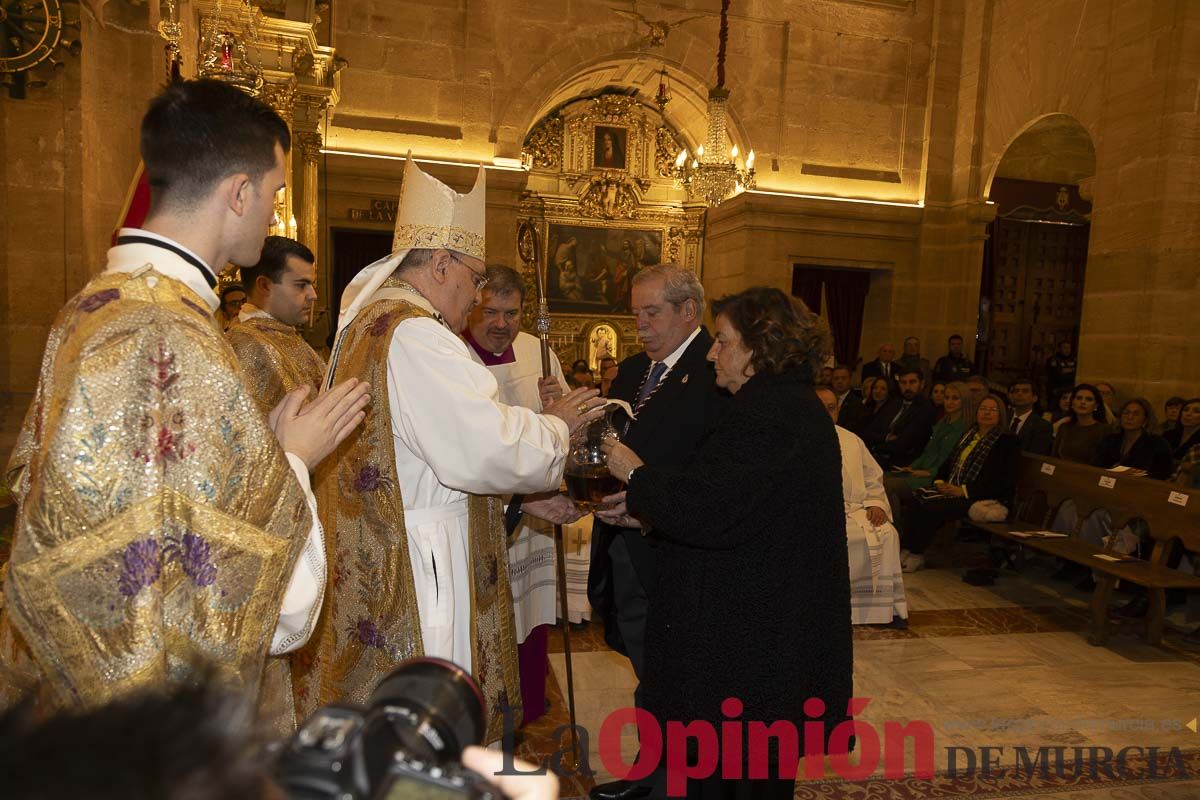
(367, 479)
(368, 633)
(196, 558)
(94, 302)
(140, 567)
(381, 325)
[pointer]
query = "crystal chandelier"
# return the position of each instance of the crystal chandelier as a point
(711, 175)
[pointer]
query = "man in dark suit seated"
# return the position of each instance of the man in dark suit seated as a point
(672, 389)
(1035, 433)
(848, 398)
(884, 365)
(899, 432)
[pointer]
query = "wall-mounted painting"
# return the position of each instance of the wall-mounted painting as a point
(590, 270)
(609, 151)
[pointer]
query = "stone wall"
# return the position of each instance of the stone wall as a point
(1128, 73)
(67, 154)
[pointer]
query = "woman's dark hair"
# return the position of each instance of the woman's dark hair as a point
(1098, 413)
(869, 393)
(197, 133)
(1002, 424)
(1151, 421)
(779, 330)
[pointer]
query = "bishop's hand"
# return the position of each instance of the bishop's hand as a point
(556, 508)
(577, 408)
(311, 432)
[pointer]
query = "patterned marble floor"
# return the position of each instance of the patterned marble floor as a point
(1006, 666)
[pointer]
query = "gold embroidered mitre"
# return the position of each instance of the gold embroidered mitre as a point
(429, 215)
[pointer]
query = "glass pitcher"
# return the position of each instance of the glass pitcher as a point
(587, 476)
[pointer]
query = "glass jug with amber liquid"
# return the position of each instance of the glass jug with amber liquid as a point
(587, 476)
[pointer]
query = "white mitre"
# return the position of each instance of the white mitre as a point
(429, 215)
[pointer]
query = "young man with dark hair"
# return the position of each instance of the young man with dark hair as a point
(1035, 433)
(1060, 369)
(162, 519)
(233, 297)
(898, 433)
(274, 356)
(953, 366)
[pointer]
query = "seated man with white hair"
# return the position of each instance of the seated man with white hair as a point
(876, 582)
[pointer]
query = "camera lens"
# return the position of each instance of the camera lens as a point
(435, 708)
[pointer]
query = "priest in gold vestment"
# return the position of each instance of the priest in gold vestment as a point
(165, 525)
(417, 546)
(281, 291)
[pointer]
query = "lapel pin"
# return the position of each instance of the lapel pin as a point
(685, 377)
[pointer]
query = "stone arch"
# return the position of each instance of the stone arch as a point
(1053, 147)
(605, 54)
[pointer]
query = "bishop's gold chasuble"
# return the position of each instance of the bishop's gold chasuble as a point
(158, 519)
(371, 621)
(275, 360)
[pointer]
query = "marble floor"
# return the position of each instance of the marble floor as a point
(1005, 666)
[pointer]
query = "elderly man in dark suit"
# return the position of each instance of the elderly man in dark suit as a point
(672, 391)
(884, 365)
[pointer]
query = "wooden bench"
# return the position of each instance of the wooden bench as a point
(1169, 513)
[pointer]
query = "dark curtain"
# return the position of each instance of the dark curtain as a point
(353, 250)
(806, 284)
(845, 300)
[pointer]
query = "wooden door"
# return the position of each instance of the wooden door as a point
(1035, 293)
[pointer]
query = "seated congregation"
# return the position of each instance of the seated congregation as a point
(931, 454)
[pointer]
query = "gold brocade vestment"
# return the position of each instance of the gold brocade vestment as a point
(275, 360)
(371, 621)
(158, 519)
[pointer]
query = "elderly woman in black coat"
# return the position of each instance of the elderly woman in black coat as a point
(752, 596)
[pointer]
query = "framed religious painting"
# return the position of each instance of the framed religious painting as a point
(590, 269)
(610, 147)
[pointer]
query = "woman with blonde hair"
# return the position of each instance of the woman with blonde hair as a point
(959, 410)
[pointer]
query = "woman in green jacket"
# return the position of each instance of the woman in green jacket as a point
(959, 408)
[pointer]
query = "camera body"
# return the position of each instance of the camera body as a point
(406, 744)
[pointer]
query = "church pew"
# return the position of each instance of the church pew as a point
(1169, 513)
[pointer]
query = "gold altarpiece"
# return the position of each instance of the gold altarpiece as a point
(601, 194)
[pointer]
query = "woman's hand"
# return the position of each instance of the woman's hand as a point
(615, 512)
(919, 473)
(950, 490)
(621, 460)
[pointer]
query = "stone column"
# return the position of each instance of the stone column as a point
(306, 147)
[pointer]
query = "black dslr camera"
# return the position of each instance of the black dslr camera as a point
(407, 744)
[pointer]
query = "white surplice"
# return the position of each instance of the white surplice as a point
(876, 579)
(454, 437)
(306, 586)
(531, 558)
